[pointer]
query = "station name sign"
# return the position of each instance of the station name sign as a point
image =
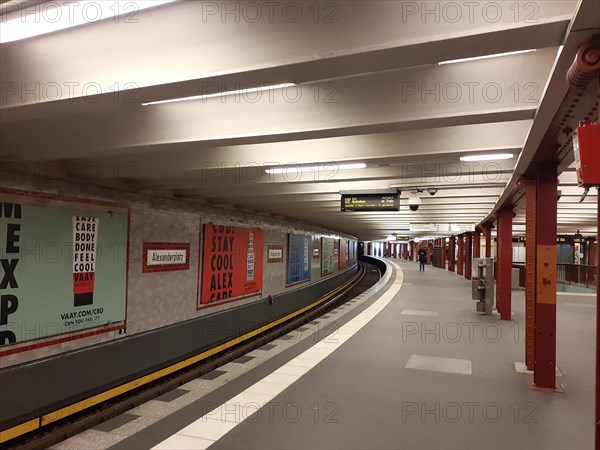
(370, 202)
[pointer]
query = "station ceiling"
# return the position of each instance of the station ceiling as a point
(362, 82)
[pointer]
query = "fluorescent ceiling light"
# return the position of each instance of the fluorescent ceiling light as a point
(292, 168)
(53, 16)
(489, 157)
(249, 90)
(475, 58)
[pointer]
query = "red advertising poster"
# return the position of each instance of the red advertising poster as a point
(232, 263)
(343, 264)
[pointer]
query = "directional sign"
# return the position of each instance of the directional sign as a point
(443, 227)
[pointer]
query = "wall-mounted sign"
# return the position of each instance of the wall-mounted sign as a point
(232, 263)
(563, 239)
(315, 252)
(402, 238)
(370, 202)
(64, 268)
(299, 261)
(443, 227)
(274, 253)
(165, 256)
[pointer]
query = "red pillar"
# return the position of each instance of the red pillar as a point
(597, 262)
(460, 259)
(477, 243)
(468, 253)
(488, 240)
(544, 373)
(530, 264)
(443, 253)
(451, 253)
(504, 262)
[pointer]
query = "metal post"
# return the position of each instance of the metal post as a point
(477, 243)
(504, 275)
(443, 259)
(461, 264)
(597, 262)
(530, 262)
(451, 253)
(468, 255)
(544, 374)
(488, 241)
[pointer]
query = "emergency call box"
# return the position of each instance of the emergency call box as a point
(586, 146)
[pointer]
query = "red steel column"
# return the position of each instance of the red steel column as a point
(451, 253)
(443, 253)
(504, 261)
(460, 262)
(488, 241)
(530, 262)
(477, 243)
(597, 262)
(544, 373)
(468, 254)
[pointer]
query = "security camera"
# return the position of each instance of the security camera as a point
(432, 191)
(414, 203)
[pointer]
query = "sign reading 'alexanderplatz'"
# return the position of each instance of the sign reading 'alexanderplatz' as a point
(370, 202)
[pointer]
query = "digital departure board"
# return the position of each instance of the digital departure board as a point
(370, 202)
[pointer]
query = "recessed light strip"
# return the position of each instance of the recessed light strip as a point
(245, 91)
(293, 168)
(488, 157)
(475, 58)
(43, 18)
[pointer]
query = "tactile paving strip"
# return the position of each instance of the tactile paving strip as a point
(419, 312)
(440, 364)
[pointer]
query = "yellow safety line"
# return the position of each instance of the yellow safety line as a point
(26, 427)
(23, 428)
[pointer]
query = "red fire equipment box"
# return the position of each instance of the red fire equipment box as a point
(586, 146)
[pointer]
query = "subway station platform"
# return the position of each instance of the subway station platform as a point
(407, 364)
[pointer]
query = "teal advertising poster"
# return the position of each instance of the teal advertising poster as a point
(63, 270)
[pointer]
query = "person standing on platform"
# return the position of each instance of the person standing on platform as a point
(422, 259)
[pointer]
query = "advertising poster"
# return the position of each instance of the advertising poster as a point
(63, 270)
(299, 258)
(232, 263)
(327, 255)
(343, 255)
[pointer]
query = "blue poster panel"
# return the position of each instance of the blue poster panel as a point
(298, 261)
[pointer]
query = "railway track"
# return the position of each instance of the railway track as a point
(45, 437)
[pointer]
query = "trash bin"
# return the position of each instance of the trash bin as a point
(515, 278)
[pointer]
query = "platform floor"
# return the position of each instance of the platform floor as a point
(342, 381)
